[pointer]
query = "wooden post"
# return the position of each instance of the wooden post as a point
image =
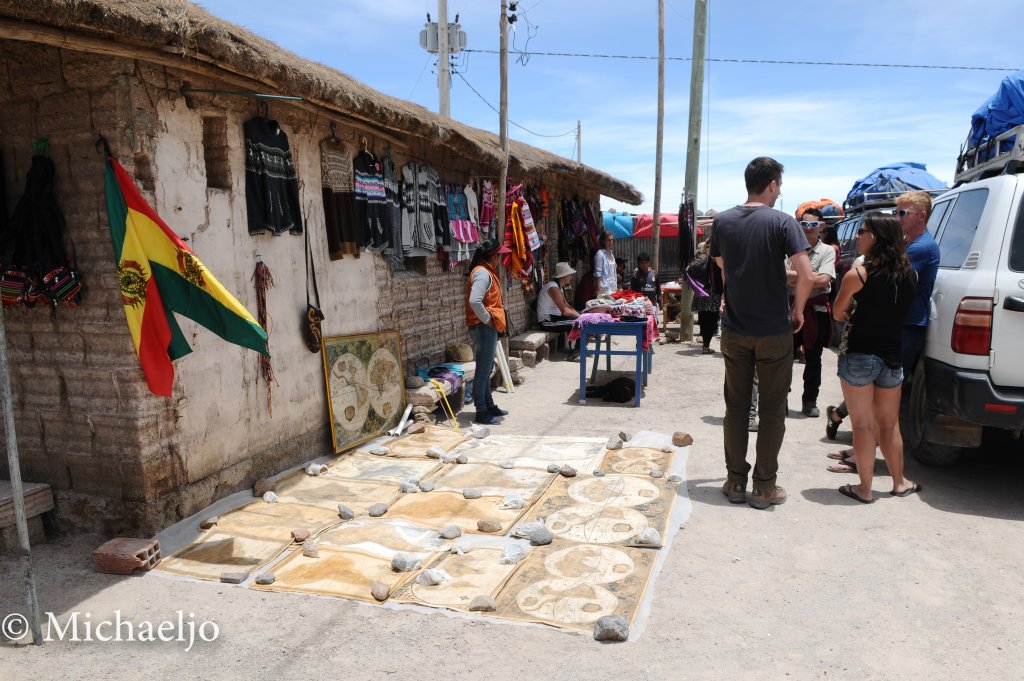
(503, 115)
(656, 229)
(700, 29)
(18, 491)
(579, 143)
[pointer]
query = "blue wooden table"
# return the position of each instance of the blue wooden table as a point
(634, 329)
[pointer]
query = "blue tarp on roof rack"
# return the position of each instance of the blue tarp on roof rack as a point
(1002, 111)
(892, 180)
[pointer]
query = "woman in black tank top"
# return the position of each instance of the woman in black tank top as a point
(873, 299)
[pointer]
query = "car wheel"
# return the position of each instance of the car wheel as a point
(915, 440)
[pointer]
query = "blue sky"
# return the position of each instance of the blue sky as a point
(829, 125)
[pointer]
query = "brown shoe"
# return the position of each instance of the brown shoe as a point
(736, 491)
(768, 496)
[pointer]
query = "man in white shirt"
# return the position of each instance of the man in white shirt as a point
(814, 336)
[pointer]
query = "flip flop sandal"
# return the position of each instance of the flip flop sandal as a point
(908, 491)
(839, 456)
(831, 426)
(847, 491)
(843, 467)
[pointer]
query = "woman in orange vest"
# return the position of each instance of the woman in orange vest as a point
(485, 319)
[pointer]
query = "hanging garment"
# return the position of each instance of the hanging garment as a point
(438, 209)
(271, 185)
(370, 200)
(545, 199)
(339, 201)
(417, 210)
(35, 268)
(487, 210)
(473, 206)
(519, 262)
(393, 209)
(529, 229)
(593, 224)
(464, 232)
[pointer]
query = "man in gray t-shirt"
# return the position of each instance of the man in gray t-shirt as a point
(750, 243)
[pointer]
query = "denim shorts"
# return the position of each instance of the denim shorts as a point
(859, 370)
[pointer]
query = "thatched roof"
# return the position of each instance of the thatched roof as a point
(175, 29)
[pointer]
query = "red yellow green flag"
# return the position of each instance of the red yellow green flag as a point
(158, 276)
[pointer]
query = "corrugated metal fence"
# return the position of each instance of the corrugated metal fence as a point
(669, 268)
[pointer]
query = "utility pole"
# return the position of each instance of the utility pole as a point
(700, 30)
(444, 76)
(579, 142)
(503, 113)
(656, 230)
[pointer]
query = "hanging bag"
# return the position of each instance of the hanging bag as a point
(311, 331)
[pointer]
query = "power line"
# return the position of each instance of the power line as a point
(484, 100)
(764, 61)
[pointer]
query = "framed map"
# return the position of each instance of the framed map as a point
(365, 386)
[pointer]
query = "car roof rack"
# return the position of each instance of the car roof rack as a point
(868, 201)
(1002, 154)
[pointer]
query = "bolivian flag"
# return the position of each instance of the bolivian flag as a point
(159, 275)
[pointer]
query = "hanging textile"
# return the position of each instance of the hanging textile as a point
(473, 206)
(687, 222)
(417, 209)
(463, 230)
(593, 225)
(529, 228)
(159, 275)
(339, 201)
(487, 210)
(438, 209)
(370, 200)
(264, 282)
(271, 185)
(519, 261)
(393, 210)
(34, 267)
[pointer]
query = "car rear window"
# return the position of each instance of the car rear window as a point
(938, 212)
(956, 237)
(1017, 242)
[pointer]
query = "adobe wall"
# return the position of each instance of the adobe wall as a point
(120, 459)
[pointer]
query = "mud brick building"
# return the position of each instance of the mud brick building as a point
(151, 76)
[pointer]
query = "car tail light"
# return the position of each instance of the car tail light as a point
(972, 326)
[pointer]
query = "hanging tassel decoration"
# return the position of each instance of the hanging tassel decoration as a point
(264, 280)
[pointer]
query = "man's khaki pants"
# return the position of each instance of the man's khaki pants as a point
(771, 357)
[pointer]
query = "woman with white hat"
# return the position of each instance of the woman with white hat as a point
(553, 312)
(552, 309)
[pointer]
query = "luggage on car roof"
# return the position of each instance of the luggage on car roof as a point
(1000, 112)
(829, 208)
(890, 181)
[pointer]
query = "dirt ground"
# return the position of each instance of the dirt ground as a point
(926, 586)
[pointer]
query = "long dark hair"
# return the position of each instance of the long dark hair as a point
(484, 251)
(888, 255)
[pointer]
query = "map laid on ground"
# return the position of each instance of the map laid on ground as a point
(599, 563)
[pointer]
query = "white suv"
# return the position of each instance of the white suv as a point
(971, 374)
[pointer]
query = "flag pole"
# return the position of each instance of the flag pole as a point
(18, 491)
